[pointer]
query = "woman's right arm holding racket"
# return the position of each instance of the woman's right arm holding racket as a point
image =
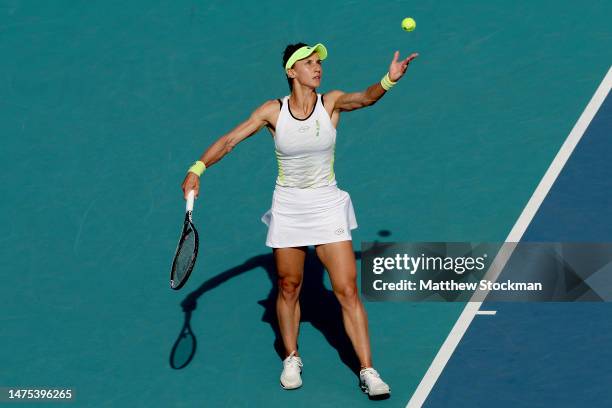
(261, 117)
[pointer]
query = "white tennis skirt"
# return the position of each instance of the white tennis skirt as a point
(309, 216)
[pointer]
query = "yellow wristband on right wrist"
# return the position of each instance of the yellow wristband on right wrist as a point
(197, 168)
(386, 82)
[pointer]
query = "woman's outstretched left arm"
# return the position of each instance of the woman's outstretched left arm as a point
(345, 102)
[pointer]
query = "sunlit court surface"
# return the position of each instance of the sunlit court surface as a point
(500, 131)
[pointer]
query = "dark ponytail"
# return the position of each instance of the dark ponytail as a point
(289, 50)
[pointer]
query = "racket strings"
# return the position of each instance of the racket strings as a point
(185, 256)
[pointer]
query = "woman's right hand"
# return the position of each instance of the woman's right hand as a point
(191, 182)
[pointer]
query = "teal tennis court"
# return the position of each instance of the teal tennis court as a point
(104, 105)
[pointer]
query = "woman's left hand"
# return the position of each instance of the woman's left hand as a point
(397, 69)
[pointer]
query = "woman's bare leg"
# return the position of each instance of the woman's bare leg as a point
(339, 260)
(290, 268)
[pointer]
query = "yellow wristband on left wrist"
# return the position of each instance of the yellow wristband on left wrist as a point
(197, 168)
(387, 83)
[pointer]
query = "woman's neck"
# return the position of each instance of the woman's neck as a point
(303, 99)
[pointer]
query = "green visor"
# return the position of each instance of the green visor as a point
(305, 52)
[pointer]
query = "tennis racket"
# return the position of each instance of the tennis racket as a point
(186, 250)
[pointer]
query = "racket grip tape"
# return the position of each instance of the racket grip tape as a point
(190, 198)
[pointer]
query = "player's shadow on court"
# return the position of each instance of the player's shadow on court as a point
(318, 305)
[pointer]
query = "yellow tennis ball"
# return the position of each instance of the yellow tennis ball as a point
(408, 24)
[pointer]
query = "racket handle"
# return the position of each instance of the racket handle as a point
(190, 198)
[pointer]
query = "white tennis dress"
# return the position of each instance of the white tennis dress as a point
(307, 206)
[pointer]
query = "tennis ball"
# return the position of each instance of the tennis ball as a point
(408, 24)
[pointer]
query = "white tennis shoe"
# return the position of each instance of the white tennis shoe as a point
(291, 377)
(372, 384)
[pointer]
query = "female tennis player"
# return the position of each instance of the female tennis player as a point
(307, 206)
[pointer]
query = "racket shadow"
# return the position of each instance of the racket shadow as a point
(318, 304)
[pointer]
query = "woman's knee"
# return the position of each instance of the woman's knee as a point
(347, 294)
(289, 288)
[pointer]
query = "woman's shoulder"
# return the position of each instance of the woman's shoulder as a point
(332, 94)
(329, 98)
(269, 110)
(271, 105)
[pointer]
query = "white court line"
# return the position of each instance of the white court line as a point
(541, 191)
(487, 312)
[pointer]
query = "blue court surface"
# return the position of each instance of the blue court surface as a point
(543, 355)
(500, 130)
